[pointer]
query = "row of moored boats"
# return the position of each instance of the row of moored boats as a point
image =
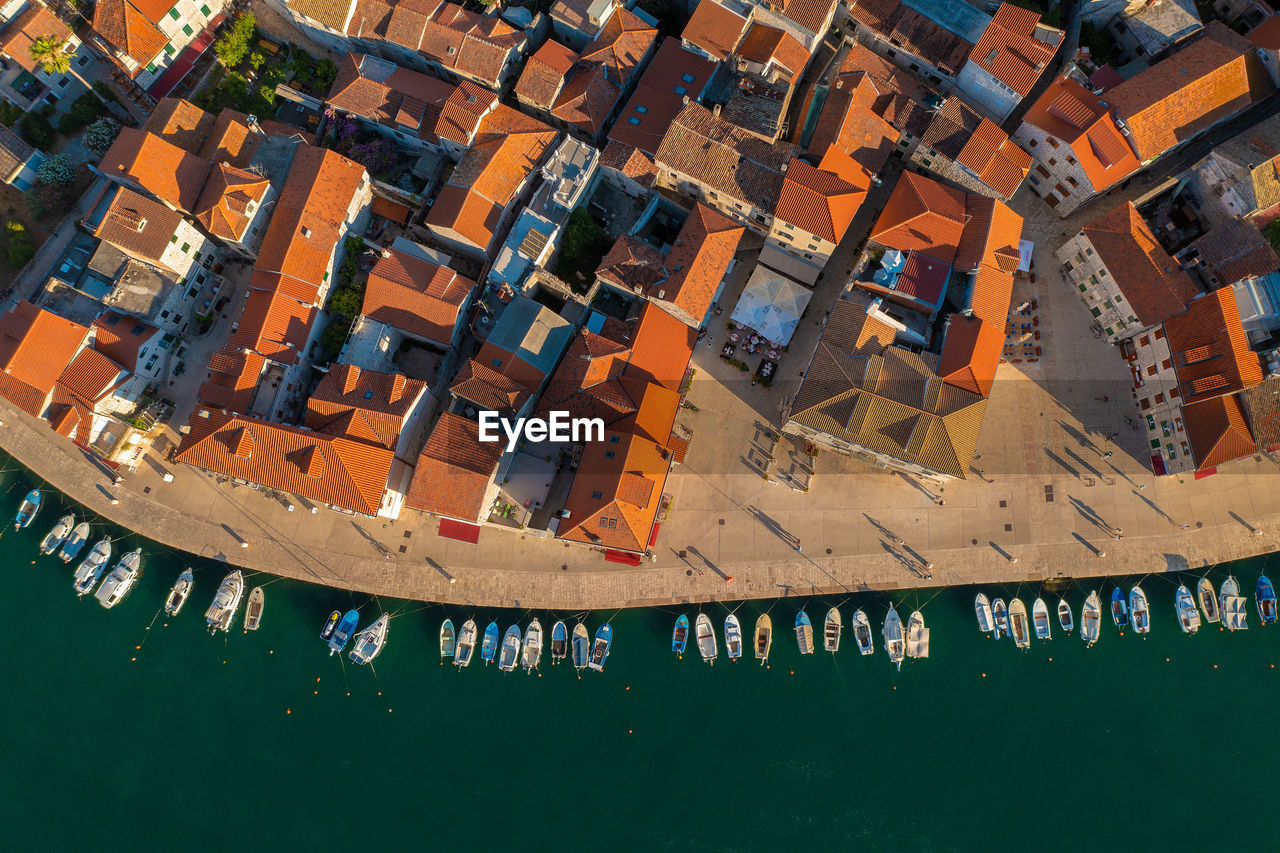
(1227, 606)
(900, 643)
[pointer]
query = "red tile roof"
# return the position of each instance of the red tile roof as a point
(810, 14)
(1210, 350)
(632, 162)
(233, 379)
(489, 389)
(661, 347)
(971, 353)
(544, 73)
(1073, 114)
(181, 123)
(120, 337)
(621, 46)
(128, 29)
(1009, 50)
(337, 471)
(764, 44)
(274, 323)
(454, 470)
(995, 159)
(1149, 279)
(232, 140)
(699, 260)
(224, 205)
(35, 23)
(91, 375)
(469, 43)
(673, 75)
(615, 495)
(363, 404)
(819, 201)
(1217, 431)
(161, 168)
(139, 226)
(714, 28)
(923, 215)
(587, 99)
(415, 296)
(35, 347)
(1204, 82)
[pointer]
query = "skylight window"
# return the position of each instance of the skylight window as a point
(633, 120)
(642, 109)
(681, 90)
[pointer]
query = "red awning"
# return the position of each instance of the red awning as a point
(653, 536)
(460, 530)
(1206, 472)
(624, 557)
(1157, 465)
(169, 80)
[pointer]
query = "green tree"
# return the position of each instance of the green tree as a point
(232, 45)
(100, 135)
(326, 72)
(581, 234)
(50, 52)
(20, 249)
(35, 128)
(56, 169)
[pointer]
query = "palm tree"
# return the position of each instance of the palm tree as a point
(50, 52)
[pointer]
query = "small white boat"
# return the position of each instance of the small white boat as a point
(121, 579)
(88, 573)
(1208, 601)
(1001, 615)
(917, 636)
(53, 540)
(1139, 614)
(531, 651)
(1188, 615)
(1040, 620)
(226, 601)
(1091, 618)
(764, 638)
(370, 641)
(982, 607)
(75, 542)
(894, 643)
(831, 631)
(509, 654)
(862, 633)
(466, 645)
(804, 633)
(732, 637)
(706, 638)
(1065, 619)
(253, 612)
(180, 592)
(1234, 606)
(1018, 626)
(580, 647)
(448, 639)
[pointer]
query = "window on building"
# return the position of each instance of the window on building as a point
(1159, 398)
(642, 109)
(633, 120)
(1151, 371)
(151, 68)
(1144, 341)
(604, 522)
(595, 496)
(196, 256)
(681, 91)
(62, 84)
(1097, 312)
(186, 28)
(1102, 273)
(169, 50)
(1110, 331)
(609, 454)
(1159, 333)
(688, 78)
(1053, 161)
(186, 247)
(613, 439)
(173, 239)
(1144, 404)
(173, 13)
(206, 11)
(1053, 143)
(1033, 143)
(1166, 364)
(1044, 173)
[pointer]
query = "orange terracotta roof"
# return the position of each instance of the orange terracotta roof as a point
(971, 353)
(990, 237)
(622, 44)
(233, 379)
(673, 75)
(995, 159)
(454, 470)
(124, 26)
(632, 162)
(661, 347)
(35, 23)
(120, 337)
(274, 324)
(181, 123)
(614, 497)
(363, 405)
(714, 29)
(699, 260)
(489, 389)
(765, 44)
(810, 14)
(35, 347)
(159, 167)
(821, 202)
(337, 471)
(231, 140)
(69, 415)
(923, 215)
(587, 99)
(224, 205)
(308, 216)
(1217, 431)
(1173, 100)
(1070, 112)
(1149, 279)
(91, 375)
(138, 225)
(1009, 50)
(415, 296)
(1210, 350)
(544, 73)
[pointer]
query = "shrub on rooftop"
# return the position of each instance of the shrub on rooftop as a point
(377, 156)
(326, 72)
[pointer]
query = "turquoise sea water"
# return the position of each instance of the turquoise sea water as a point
(200, 742)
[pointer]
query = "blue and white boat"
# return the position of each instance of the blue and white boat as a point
(680, 636)
(510, 654)
(600, 647)
(121, 579)
(732, 637)
(27, 511)
(1266, 600)
(370, 641)
(489, 645)
(559, 642)
(1119, 610)
(448, 640)
(466, 644)
(53, 540)
(342, 634)
(75, 542)
(581, 646)
(804, 633)
(1138, 610)
(706, 638)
